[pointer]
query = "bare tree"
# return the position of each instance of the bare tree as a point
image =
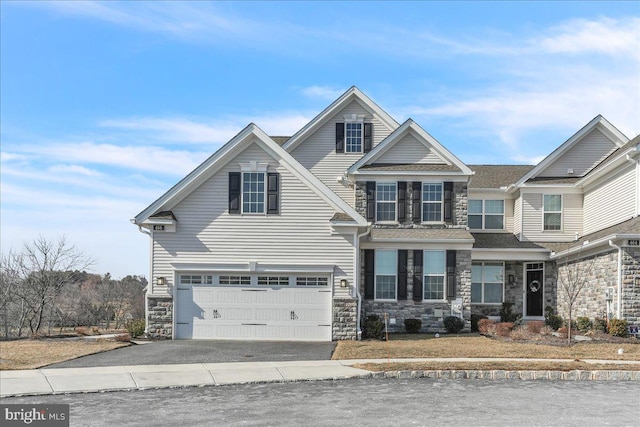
(573, 276)
(36, 275)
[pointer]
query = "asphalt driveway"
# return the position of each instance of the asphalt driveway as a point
(184, 351)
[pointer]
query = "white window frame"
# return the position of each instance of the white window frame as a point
(394, 202)
(347, 147)
(312, 281)
(544, 212)
(443, 275)
(264, 193)
(484, 281)
(483, 214)
(202, 279)
(423, 202)
(395, 275)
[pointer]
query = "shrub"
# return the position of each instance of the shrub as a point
(486, 326)
(373, 327)
(412, 326)
(135, 327)
(563, 332)
(599, 325)
(453, 324)
(535, 326)
(520, 333)
(618, 327)
(552, 320)
(583, 324)
(81, 330)
(475, 318)
(506, 312)
(504, 329)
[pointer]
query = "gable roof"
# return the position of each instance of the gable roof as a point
(251, 133)
(598, 122)
(631, 149)
(352, 94)
(496, 176)
(421, 135)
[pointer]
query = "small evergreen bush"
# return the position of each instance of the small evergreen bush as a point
(453, 324)
(373, 327)
(412, 326)
(583, 324)
(506, 312)
(618, 327)
(135, 327)
(552, 320)
(599, 325)
(475, 318)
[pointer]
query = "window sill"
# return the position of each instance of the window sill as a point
(497, 304)
(432, 301)
(385, 300)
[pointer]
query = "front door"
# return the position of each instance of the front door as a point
(534, 289)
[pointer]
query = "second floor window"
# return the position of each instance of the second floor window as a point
(253, 192)
(386, 201)
(353, 137)
(431, 202)
(486, 214)
(552, 212)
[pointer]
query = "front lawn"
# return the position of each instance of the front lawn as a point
(472, 345)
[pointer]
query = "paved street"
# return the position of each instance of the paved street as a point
(194, 351)
(380, 402)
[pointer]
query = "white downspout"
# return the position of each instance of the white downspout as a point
(149, 282)
(356, 285)
(620, 311)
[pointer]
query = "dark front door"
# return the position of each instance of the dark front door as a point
(534, 292)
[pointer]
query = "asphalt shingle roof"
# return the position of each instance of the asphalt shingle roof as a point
(419, 167)
(280, 140)
(342, 217)
(502, 241)
(419, 234)
(496, 176)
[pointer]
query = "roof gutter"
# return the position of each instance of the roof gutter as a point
(149, 286)
(587, 244)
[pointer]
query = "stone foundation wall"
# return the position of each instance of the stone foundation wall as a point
(344, 319)
(426, 311)
(631, 284)
(160, 321)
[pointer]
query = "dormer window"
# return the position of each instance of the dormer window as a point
(353, 137)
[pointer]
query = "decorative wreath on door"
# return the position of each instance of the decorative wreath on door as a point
(534, 286)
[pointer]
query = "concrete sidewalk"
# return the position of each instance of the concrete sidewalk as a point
(111, 378)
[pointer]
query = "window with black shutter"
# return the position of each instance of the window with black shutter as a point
(368, 137)
(402, 274)
(402, 201)
(417, 275)
(451, 274)
(234, 192)
(339, 137)
(448, 201)
(416, 214)
(371, 200)
(273, 191)
(369, 273)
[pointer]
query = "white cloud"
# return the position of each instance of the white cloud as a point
(323, 92)
(74, 170)
(6, 157)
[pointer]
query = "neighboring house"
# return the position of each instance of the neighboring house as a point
(297, 238)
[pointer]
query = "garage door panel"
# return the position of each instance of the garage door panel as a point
(287, 313)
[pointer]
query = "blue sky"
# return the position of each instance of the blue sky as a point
(104, 106)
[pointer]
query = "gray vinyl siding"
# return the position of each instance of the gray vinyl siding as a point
(517, 216)
(409, 150)
(611, 202)
(299, 235)
(532, 218)
(318, 152)
(582, 157)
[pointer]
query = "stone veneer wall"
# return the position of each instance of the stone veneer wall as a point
(160, 321)
(631, 284)
(410, 309)
(602, 273)
(344, 319)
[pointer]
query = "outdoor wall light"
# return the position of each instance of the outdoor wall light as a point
(160, 281)
(343, 283)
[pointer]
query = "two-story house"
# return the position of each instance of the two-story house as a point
(297, 238)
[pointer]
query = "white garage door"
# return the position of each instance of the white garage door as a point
(298, 313)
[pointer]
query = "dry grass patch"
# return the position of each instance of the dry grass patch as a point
(491, 366)
(406, 346)
(31, 354)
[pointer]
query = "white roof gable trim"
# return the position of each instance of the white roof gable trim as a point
(421, 135)
(226, 153)
(598, 122)
(353, 93)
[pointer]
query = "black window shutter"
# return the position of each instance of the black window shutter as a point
(234, 192)
(451, 274)
(339, 137)
(369, 273)
(371, 200)
(417, 275)
(273, 191)
(368, 137)
(402, 274)
(417, 211)
(402, 201)
(448, 203)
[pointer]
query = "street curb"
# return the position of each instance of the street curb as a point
(501, 375)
